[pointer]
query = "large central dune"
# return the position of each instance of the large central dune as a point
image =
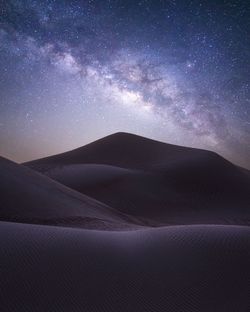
(124, 150)
(154, 181)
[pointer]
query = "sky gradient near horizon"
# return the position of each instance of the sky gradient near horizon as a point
(74, 71)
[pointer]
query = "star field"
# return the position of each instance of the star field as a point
(75, 71)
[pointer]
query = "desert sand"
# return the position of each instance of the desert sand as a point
(125, 224)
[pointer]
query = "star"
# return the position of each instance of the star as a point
(172, 70)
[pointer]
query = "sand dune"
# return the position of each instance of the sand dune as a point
(117, 253)
(123, 150)
(183, 268)
(79, 175)
(156, 182)
(30, 197)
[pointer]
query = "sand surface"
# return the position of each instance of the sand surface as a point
(125, 224)
(182, 268)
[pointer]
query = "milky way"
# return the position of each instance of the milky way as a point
(75, 71)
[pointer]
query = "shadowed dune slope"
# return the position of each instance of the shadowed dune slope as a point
(179, 268)
(28, 196)
(155, 181)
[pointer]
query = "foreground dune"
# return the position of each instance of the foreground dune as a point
(179, 268)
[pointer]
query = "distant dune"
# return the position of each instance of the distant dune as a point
(125, 224)
(155, 181)
(123, 150)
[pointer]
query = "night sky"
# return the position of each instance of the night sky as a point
(74, 71)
